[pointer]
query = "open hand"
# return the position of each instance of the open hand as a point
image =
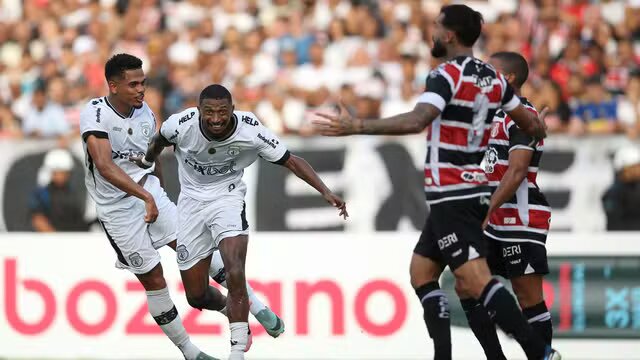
(337, 202)
(337, 125)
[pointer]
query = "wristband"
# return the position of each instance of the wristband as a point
(145, 162)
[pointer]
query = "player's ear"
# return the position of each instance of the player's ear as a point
(113, 86)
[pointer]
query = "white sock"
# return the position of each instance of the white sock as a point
(239, 337)
(165, 314)
(217, 273)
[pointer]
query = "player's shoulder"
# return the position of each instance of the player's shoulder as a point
(94, 104)
(247, 121)
(528, 105)
(183, 118)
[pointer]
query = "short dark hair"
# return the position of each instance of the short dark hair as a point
(465, 22)
(215, 91)
(514, 63)
(119, 63)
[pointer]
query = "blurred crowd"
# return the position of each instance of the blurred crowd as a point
(285, 58)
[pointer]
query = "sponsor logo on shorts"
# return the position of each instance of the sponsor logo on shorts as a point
(508, 251)
(456, 253)
(447, 241)
(509, 221)
(182, 253)
(136, 260)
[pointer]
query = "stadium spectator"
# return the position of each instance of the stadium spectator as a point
(45, 118)
(597, 111)
(621, 200)
(303, 46)
(54, 205)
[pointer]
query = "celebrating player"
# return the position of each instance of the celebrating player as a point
(462, 95)
(213, 144)
(517, 222)
(132, 207)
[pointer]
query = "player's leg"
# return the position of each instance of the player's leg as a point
(526, 264)
(477, 316)
(267, 318)
(481, 324)
(200, 294)
(127, 233)
(425, 270)
(465, 250)
(528, 289)
(234, 253)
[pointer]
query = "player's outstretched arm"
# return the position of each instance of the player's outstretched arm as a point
(100, 151)
(344, 123)
(529, 121)
(519, 160)
(301, 168)
(158, 143)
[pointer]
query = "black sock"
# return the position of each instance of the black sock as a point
(436, 316)
(540, 319)
(483, 328)
(505, 313)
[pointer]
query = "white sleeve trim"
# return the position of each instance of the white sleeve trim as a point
(521, 147)
(433, 99)
(512, 104)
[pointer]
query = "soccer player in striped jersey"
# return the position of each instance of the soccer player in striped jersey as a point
(518, 219)
(461, 98)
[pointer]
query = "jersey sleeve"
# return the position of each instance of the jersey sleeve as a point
(509, 99)
(518, 139)
(169, 129)
(440, 85)
(93, 122)
(269, 146)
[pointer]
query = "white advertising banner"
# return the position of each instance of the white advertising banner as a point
(381, 179)
(341, 297)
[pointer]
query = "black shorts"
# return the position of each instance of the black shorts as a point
(514, 259)
(452, 234)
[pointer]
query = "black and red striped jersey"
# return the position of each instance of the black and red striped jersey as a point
(526, 216)
(468, 93)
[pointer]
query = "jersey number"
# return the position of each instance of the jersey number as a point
(480, 110)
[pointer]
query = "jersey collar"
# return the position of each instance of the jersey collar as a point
(133, 109)
(233, 131)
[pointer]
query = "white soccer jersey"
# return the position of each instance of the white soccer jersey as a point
(209, 168)
(129, 136)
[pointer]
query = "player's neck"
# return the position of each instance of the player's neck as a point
(459, 51)
(121, 107)
(517, 91)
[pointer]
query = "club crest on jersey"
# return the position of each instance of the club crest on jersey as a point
(491, 159)
(135, 259)
(182, 253)
(233, 150)
(145, 128)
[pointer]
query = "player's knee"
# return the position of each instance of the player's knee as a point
(234, 273)
(462, 290)
(527, 296)
(198, 301)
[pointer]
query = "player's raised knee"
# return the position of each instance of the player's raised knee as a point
(199, 301)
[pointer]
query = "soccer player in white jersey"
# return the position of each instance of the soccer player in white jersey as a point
(132, 207)
(213, 144)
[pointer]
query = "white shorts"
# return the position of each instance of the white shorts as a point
(203, 225)
(134, 241)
